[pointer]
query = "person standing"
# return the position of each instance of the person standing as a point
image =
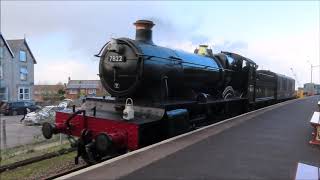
(25, 112)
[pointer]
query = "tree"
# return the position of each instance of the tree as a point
(61, 94)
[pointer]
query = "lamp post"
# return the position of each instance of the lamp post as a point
(311, 84)
(312, 66)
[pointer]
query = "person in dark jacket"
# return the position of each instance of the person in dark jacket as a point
(25, 112)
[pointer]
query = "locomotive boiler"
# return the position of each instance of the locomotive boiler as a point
(171, 92)
(140, 69)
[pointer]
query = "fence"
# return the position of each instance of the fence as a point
(19, 142)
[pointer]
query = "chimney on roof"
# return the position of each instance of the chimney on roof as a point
(69, 78)
(143, 31)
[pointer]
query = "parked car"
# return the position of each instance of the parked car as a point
(16, 108)
(66, 103)
(46, 114)
(2, 106)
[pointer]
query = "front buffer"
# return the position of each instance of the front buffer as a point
(102, 134)
(97, 137)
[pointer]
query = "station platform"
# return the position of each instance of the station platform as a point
(265, 144)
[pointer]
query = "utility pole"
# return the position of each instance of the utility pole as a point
(311, 70)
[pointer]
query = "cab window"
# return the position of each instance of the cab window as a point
(230, 60)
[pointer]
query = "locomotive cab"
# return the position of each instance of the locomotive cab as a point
(239, 73)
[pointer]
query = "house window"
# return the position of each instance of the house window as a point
(23, 56)
(24, 93)
(23, 73)
(1, 52)
(4, 94)
(1, 71)
(73, 91)
(92, 91)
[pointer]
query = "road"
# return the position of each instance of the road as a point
(16, 133)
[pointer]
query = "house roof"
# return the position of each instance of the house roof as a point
(7, 45)
(16, 43)
(48, 87)
(83, 84)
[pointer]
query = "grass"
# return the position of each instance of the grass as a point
(37, 140)
(12, 157)
(34, 149)
(38, 169)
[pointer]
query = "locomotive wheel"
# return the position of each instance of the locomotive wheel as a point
(91, 157)
(89, 154)
(86, 148)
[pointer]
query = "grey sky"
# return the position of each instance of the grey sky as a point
(64, 36)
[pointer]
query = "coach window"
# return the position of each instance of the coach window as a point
(280, 84)
(283, 82)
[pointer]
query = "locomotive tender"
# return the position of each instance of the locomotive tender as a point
(173, 92)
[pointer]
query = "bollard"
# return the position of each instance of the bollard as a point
(4, 134)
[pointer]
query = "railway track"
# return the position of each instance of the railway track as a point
(66, 172)
(35, 159)
(54, 176)
(54, 172)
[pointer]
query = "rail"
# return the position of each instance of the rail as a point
(35, 159)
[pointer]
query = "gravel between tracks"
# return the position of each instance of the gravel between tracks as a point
(65, 167)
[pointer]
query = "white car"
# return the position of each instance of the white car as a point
(46, 114)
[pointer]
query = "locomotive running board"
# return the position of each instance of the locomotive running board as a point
(173, 104)
(109, 106)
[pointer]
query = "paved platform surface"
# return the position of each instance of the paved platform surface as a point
(267, 146)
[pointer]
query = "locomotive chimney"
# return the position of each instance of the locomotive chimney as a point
(143, 31)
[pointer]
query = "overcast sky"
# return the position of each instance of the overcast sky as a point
(64, 36)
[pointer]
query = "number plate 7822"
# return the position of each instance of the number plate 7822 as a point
(117, 58)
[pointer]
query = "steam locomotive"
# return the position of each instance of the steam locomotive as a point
(173, 92)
